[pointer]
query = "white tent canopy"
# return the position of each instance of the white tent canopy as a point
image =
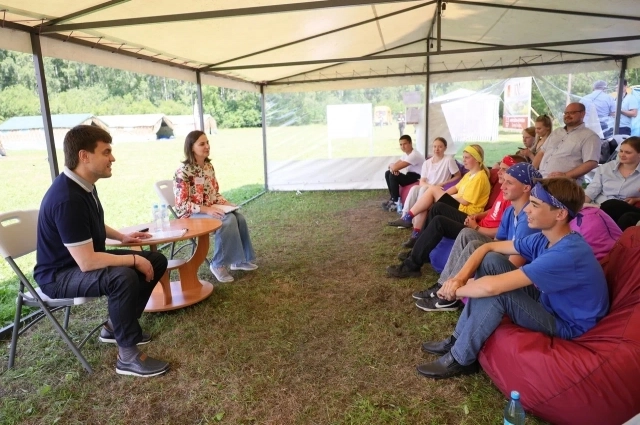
(285, 45)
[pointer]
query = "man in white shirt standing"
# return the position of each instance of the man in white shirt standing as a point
(412, 161)
(570, 151)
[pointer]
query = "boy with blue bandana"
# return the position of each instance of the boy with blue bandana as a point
(561, 292)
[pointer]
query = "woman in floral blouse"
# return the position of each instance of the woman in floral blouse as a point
(197, 194)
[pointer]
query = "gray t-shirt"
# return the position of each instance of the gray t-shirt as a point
(564, 151)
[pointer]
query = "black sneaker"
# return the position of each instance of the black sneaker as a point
(401, 271)
(404, 255)
(387, 204)
(400, 223)
(142, 366)
(439, 304)
(410, 243)
(430, 292)
(107, 336)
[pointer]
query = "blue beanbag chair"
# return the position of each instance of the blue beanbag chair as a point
(440, 254)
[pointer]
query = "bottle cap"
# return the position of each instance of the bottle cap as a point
(515, 395)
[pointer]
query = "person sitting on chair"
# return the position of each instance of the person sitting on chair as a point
(616, 185)
(469, 195)
(412, 161)
(71, 260)
(561, 292)
(197, 194)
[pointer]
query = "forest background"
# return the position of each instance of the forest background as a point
(81, 88)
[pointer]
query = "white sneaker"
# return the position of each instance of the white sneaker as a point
(247, 266)
(221, 273)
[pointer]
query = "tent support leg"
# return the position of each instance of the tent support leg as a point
(623, 71)
(45, 111)
(263, 105)
(199, 94)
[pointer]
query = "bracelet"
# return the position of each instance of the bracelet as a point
(134, 260)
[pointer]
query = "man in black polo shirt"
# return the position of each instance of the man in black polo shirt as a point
(71, 257)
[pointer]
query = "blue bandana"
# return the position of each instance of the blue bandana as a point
(539, 192)
(524, 173)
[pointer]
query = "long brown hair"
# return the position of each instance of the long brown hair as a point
(189, 141)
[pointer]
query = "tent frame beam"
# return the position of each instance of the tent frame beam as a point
(215, 14)
(543, 10)
(428, 54)
(41, 81)
(333, 31)
(199, 99)
(450, 71)
(84, 12)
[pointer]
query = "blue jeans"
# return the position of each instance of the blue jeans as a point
(481, 316)
(232, 243)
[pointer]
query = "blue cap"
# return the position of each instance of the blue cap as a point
(515, 395)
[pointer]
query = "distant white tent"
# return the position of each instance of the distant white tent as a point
(138, 128)
(183, 124)
(28, 132)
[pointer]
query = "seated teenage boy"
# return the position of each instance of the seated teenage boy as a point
(446, 221)
(562, 292)
(412, 161)
(516, 187)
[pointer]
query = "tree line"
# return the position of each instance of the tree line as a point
(82, 88)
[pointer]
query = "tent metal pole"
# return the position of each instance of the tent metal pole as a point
(439, 33)
(263, 105)
(200, 106)
(217, 14)
(623, 71)
(436, 53)
(427, 95)
(45, 111)
(322, 34)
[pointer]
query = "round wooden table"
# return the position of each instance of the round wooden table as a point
(189, 289)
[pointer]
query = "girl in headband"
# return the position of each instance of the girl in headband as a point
(470, 195)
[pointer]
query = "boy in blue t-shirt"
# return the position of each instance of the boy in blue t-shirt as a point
(561, 292)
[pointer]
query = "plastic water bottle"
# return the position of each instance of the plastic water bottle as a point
(157, 219)
(165, 217)
(399, 207)
(513, 411)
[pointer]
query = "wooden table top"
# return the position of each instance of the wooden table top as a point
(195, 227)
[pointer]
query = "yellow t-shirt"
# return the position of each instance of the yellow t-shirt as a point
(475, 189)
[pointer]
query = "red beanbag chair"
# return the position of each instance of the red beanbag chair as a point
(593, 379)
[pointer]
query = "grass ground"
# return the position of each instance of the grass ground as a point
(317, 335)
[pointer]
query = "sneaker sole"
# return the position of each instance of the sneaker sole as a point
(243, 269)
(113, 341)
(436, 308)
(140, 375)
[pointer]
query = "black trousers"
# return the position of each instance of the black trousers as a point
(623, 214)
(394, 182)
(126, 289)
(445, 199)
(445, 221)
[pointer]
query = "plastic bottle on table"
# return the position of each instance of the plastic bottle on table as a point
(513, 411)
(165, 217)
(157, 219)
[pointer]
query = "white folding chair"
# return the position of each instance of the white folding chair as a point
(164, 190)
(17, 238)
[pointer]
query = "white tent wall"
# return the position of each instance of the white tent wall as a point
(301, 153)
